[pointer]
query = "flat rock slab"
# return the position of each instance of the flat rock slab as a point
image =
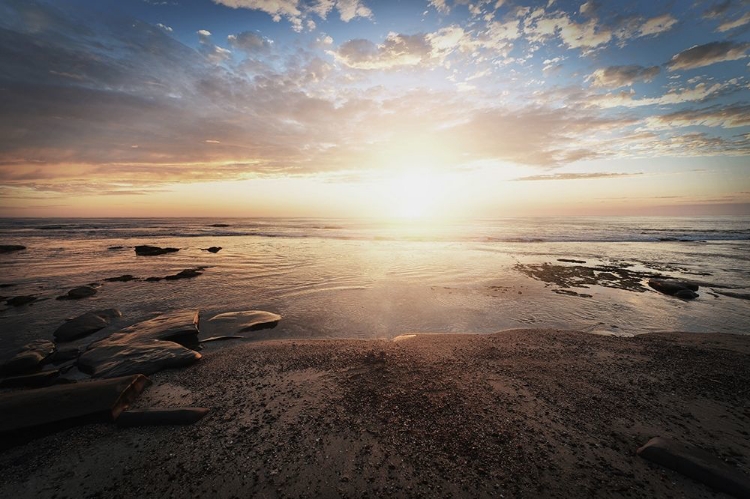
(696, 464)
(161, 416)
(122, 278)
(231, 323)
(145, 347)
(78, 293)
(147, 250)
(10, 248)
(28, 358)
(43, 378)
(86, 324)
(100, 400)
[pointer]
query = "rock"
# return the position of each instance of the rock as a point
(44, 378)
(122, 278)
(29, 358)
(220, 225)
(64, 355)
(686, 294)
(154, 279)
(146, 250)
(230, 323)
(10, 248)
(214, 249)
(185, 274)
(731, 294)
(78, 293)
(112, 248)
(161, 416)
(18, 301)
(696, 464)
(221, 338)
(570, 260)
(673, 286)
(144, 348)
(85, 324)
(69, 404)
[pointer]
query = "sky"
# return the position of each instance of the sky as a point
(364, 108)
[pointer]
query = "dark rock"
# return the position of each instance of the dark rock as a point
(64, 355)
(185, 274)
(220, 225)
(122, 278)
(9, 248)
(29, 358)
(731, 294)
(44, 378)
(214, 249)
(6, 285)
(686, 294)
(570, 260)
(221, 338)
(86, 324)
(18, 301)
(100, 400)
(146, 250)
(78, 293)
(161, 416)
(673, 286)
(145, 347)
(112, 248)
(154, 279)
(696, 464)
(230, 323)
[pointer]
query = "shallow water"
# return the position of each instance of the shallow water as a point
(338, 278)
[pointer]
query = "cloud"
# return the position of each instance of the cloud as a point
(577, 176)
(700, 92)
(657, 25)
(397, 50)
(732, 116)
(587, 35)
(250, 42)
(699, 56)
(717, 9)
(736, 23)
(621, 76)
(295, 11)
(164, 27)
(441, 6)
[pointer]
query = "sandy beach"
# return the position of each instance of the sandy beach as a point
(520, 413)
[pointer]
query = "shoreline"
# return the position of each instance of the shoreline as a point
(523, 413)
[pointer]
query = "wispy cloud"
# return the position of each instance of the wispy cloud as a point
(576, 176)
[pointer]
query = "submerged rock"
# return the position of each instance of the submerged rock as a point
(10, 248)
(214, 249)
(673, 287)
(122, 278)
(69, 404)
(230, 323)
(78, 293)
(161, 416)
(185, 274)
(18, 301)
(146, 250)
(220, 225)
(144, 348)
(28, 358)
(85, 324)
(696, 464)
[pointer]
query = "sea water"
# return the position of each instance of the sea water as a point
(332, 278)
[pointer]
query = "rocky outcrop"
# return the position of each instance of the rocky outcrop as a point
(85, 324)
(69, 404)
(146, 250)
(696, 464)
(231, 323)
(185, 274)
(28, 358)
(214, 249)
(144, 348)
(673, 287)
(78, 293)
(122, 278)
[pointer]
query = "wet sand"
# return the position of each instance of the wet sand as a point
(522, 413)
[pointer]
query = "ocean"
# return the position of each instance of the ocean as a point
(337, 278)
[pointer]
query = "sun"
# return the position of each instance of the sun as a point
(415, 194)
